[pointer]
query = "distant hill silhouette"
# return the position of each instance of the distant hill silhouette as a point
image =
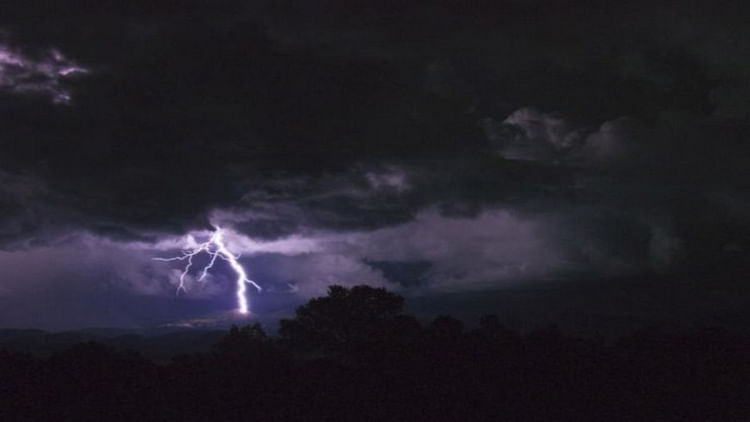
(159, 345)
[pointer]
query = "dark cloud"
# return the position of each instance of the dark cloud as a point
(418, 145)
(407, 273)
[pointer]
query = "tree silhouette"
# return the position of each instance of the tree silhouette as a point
(249, 346)
(344, 320)
(240, 340)
(446, 326)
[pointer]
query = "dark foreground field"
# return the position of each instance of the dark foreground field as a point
(354, 356)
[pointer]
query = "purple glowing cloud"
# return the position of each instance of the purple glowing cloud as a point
(22, 74)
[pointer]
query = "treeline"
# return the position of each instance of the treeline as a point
(353, 355)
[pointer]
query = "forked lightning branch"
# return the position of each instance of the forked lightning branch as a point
(215, 248)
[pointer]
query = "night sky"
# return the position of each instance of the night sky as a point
(548, 161)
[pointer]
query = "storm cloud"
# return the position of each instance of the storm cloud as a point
(422, 146)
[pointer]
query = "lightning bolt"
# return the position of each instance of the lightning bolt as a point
(215, 248)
